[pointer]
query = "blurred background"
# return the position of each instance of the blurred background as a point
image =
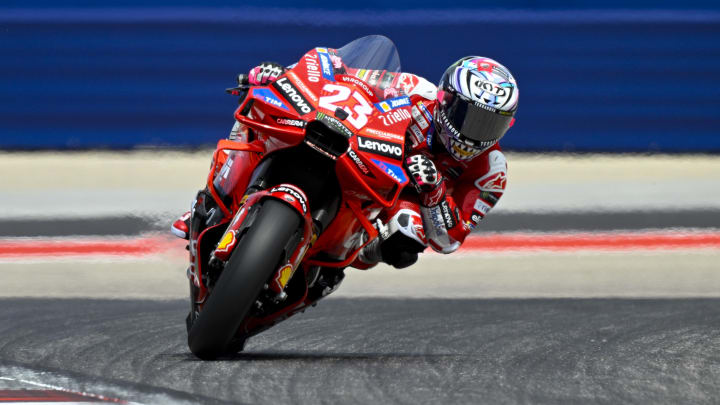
(109, 110)
(595, 76)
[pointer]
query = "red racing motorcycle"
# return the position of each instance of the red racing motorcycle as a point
(291, 195)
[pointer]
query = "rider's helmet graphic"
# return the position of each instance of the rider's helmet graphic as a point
(477, 100)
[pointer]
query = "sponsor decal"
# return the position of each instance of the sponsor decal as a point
(419, 118)
(410, 223)
(425, 111)
(283, 275)
(430, 138)
(417, 135)
(489, 198)
(431, 200)
(437, 220)
(374, 77)
(361, 74)
(292, 192)
(492, 182)
(326, 63)
(387, 80)
(296, 80)
(313, 67)
(446, 123)
(354, 80)
(267, 96)
(476, 217)
(383, 134)
(394, 117)
(378, 147)
(394, 171)
(359, 163)
(293, 96)
(290, 122)
(408, 82)
(334, 124)
(392, 103)
(447, 215)
(482, 206)
(497, 161)
(227, 242)
(495, 178)
(478, 86)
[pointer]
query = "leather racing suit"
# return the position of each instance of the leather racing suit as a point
(471, 187)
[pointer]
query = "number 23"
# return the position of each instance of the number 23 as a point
(363, 109)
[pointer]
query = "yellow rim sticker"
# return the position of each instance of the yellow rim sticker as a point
(226, 241)
(285, 274)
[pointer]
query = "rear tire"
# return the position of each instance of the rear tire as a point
(252, 262)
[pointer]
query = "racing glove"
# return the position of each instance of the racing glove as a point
(426, 179)
(265, 73)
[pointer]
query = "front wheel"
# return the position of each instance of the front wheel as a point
(252, 262)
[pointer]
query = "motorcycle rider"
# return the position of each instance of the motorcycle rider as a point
(454, 161)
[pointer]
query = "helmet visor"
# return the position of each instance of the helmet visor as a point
(472, 121)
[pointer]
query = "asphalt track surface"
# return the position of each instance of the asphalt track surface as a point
(574, 327)
(386, 351)
(497, 222)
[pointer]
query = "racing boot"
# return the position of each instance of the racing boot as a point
(181, 226)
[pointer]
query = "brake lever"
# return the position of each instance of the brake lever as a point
(243, 81)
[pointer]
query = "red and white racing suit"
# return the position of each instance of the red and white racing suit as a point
(472, 187)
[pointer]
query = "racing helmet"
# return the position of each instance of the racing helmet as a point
(477, 101)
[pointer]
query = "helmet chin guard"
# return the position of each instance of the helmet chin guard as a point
(459, 150)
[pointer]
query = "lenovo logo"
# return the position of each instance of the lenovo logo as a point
(387, 149)
(293, 95)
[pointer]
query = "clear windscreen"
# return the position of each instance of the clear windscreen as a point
(373, 52)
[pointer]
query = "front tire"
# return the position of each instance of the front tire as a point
(252, 262)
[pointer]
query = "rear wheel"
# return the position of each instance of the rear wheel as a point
(252, 262)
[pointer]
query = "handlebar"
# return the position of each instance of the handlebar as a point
(243, 85)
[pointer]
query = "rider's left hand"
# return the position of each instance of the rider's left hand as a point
(265, 73)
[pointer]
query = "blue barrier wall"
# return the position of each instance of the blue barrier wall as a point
(135, 73)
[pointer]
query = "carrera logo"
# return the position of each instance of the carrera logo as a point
(293, 95)
(359, 163)
(387, 149)
(290, 122)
